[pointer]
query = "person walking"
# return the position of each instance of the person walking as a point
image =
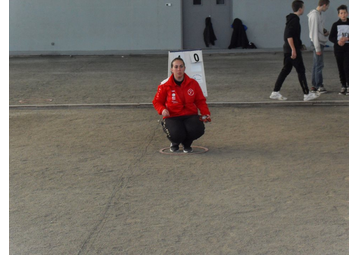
(292, 54)
(319, 36)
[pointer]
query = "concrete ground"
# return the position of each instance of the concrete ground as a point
(246, 77)
(87, 177)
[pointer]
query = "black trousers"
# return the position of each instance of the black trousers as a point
(288, 64)
(342, 59)
(183, 129)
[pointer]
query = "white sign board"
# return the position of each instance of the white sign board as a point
(194, 66)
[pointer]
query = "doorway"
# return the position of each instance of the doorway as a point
(194, 14)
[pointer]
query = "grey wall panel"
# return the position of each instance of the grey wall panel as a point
(92, 25)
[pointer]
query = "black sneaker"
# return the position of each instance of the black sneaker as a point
(322, 90)
(174, 147)
(343, 91)
(188, 150)
(313, 89)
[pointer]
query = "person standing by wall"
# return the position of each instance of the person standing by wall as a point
(319, 36)
(292, 54)
(340, 37)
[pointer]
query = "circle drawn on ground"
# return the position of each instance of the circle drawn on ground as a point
(196, 150)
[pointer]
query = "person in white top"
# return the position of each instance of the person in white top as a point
(319, 36)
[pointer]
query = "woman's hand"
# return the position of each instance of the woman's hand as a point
(165, 113)
(205, 118)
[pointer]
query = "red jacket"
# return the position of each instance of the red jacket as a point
(181, 100)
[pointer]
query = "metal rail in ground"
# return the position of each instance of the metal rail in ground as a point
(210, 104)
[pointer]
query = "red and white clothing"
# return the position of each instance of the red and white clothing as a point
(181, 100)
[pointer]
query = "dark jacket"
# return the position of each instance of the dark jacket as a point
(239, 37)
(338, 30)
(292, 30)
(209, 35)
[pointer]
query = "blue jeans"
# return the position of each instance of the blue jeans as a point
(317, 76)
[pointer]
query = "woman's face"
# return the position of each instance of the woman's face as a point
(178, 70)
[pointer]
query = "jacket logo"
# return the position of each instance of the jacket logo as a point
(190, 92)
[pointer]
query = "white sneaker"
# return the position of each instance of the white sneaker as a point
(277, 96)
(310, 96)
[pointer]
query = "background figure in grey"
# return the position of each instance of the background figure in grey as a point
(319, 36)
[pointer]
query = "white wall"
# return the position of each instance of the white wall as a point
(266, 19)
(93, 25)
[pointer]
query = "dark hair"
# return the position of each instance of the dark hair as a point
(178, 58)
(323, 2)
(296, 5)
(342, 7)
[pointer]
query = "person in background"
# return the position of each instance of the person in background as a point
(319, 36)
(339, 35)
(292, 54)
(178, 100)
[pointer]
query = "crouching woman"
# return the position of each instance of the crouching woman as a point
(179, 100)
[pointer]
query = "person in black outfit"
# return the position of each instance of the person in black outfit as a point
(340, 37)
(292, 54)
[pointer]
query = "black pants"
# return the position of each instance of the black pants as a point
(183, 129)
(342, 59)
(288, 63)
